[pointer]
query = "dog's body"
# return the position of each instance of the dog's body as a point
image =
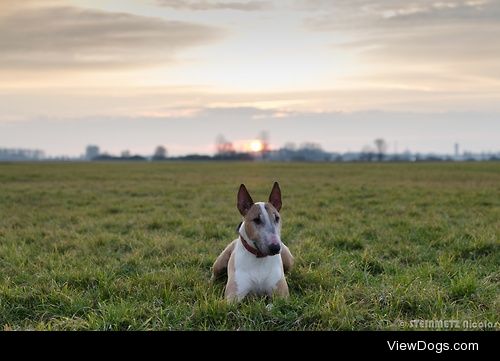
(257, 260)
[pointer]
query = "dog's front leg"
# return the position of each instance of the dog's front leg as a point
(286, 259)
(221, 263)
(281, 289)
(234, 292)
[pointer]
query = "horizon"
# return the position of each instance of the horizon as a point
(257, 147)
(135, 74)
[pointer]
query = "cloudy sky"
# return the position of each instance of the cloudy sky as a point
(133, 74)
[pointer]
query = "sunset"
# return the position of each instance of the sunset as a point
(251, 165)
(134, 74)
(255, 145)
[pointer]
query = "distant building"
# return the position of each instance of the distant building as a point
(307, 152)
(9, 154)
(91, 152)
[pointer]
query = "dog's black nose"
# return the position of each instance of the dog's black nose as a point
(274, 249)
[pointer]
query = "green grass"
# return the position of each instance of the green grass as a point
(130, 246)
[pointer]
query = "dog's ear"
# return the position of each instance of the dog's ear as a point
(275, 196)
(245, 202)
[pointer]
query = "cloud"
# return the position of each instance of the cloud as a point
(460, 45)
(55, 37)
(392, 14)
(214, 5)
(10, 5)
(449, 37)
(120, 101)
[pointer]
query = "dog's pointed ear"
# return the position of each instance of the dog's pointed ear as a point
(275, 196)
(245, 202)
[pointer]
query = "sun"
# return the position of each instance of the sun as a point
(256, 145)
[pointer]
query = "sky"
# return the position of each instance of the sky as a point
(134, 74)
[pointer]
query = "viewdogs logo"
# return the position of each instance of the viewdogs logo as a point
(437, 347)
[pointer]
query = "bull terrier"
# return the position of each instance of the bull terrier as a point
(257, 260)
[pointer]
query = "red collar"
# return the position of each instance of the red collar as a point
(251, 249)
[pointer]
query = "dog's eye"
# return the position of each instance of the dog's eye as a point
(277, 219)
(257, 220)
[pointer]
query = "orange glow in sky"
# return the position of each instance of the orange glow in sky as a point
(256, 146)
(249, 145)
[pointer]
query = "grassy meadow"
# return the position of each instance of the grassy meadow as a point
(129, 246)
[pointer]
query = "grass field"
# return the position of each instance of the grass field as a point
(130, 246)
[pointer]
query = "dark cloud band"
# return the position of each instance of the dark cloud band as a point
(66, 37)
(214, 5)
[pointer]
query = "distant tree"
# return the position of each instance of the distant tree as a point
(160, 153)
(367, 153)
(223, 146)
(381, 146)
(309, 146)
(310, 152)
(264, 138)
(91, 152)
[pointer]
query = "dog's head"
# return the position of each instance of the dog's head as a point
(262, 221)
